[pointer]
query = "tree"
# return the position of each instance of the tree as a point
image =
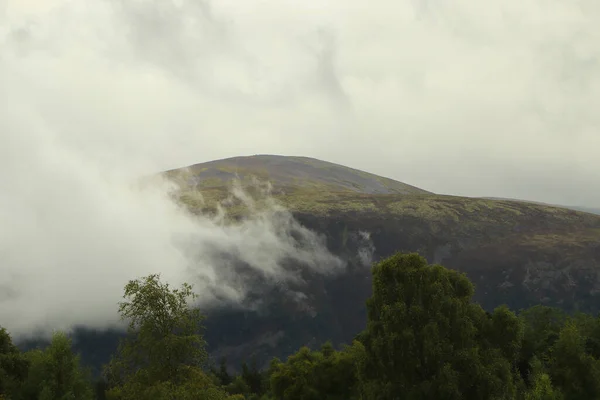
(162, 355)
(541, 325)
(425, 339)
(541, 387)
(317, 375)
(56, 373)
(574, 371)
(505, 332)
(13, 366)
(253, 377)
(223, 373)
(238, 386)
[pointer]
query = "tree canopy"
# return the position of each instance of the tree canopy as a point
(164, 352)
(424, 338)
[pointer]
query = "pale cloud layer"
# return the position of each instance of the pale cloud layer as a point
(494, 98)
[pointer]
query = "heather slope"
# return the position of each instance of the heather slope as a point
(290, 173)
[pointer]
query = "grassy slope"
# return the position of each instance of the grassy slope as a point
(290, 172)
(591, 210)
(308, 185)
(313, 187)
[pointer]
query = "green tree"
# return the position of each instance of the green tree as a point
(541, 387)
(574, 371)
(425, 339)
(592, 344)
(316, 375)
(162, 355)
(238, 386)
(505, 332)
(56, 373)
(223, 373)
(253, 377)
(13, 366)
(541, 327)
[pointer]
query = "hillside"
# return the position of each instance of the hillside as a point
(289, 174)
(591, 210)
(516, 253)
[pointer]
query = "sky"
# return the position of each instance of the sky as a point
(495, 98)
(489, 99)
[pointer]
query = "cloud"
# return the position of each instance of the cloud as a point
(366, 248)
(494, 99)
(483, 100)
(77, 235)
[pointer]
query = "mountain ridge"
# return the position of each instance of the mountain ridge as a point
(294, 171)
(590, 210)
(300, 180)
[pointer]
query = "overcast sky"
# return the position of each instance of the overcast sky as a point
(494, 98)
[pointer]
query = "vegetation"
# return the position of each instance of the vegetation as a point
(291, 172)
(424, 339)
(52, 374)
(516, 253)
(317, 187)
(163, 355)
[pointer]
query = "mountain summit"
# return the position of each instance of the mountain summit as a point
(295, 173)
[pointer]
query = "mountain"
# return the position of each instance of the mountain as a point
(290, 173)
(516, 253)
(591, 210)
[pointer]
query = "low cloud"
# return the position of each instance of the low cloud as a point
(73, 235)
(366, 248)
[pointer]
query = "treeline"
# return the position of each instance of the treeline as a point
(424, 339)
